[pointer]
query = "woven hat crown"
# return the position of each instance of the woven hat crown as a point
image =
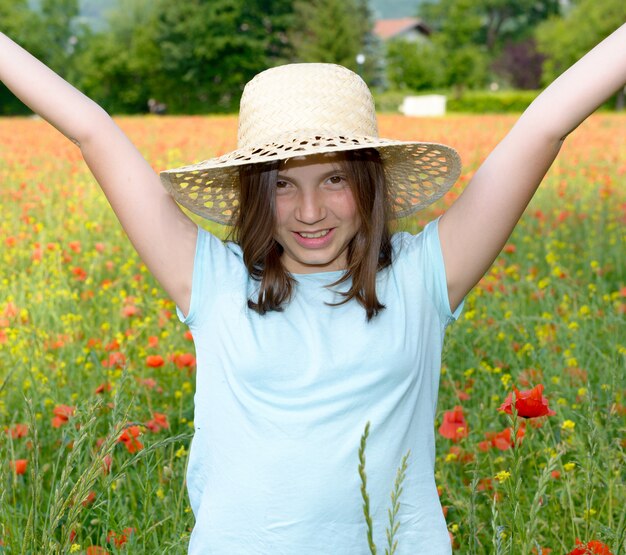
(304, 100)
(306, 109)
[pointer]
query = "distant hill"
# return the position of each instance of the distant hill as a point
(391, 9)
(94, 11)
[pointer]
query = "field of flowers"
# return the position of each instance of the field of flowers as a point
(97, 374)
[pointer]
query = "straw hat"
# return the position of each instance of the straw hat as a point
(300, 109)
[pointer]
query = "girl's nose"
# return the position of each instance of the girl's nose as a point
(310, 208)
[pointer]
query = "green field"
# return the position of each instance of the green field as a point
(97, 374)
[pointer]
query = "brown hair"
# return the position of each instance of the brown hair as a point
(368, 252)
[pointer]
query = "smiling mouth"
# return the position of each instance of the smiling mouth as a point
(313, 234)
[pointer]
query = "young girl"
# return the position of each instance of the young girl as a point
(316, 320)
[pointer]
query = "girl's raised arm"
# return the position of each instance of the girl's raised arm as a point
(476, 227)
(161, 233)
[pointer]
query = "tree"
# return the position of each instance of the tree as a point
(520, 64)
(488, 23)
(564, 40)
(272, 21)
(120, 66)
(194, 56)
(17, 22)
(328, 31)
(473, 33)
(57, 32)
(414, 65)
(371, 64)
(456, 36)
(210, 49)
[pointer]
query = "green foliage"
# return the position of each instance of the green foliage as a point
(15, 16)
(564, 40)
(195, 56)
(49, 33)
(392, 512)
(192, 56)
(484, 102)
(457, 41)
(16, 20)
(121, 68)
(489, 23)
(316, 39)
(550, 310)
(472, 33)
(57, 31)
(414, 65)
(389, 100)
(471, 102)
(209, 51)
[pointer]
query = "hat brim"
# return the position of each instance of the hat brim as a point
(418, 173)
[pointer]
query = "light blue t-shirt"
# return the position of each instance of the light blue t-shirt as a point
(282, 400)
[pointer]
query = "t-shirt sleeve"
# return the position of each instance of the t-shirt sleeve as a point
(214, 267)
(436, 280)
(422, 253)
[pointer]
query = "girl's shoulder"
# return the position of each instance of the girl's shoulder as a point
(406, 243)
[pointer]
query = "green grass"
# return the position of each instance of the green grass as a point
(78, 310)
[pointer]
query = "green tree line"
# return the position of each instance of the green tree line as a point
(194, 56)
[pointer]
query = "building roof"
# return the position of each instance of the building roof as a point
(390, 28)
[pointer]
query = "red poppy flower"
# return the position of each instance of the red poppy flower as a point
(184, 360)
(96, 550)
(130, 310)
(106, 386)
(164, 317)
(153, 341)
(19, 466)
(501, 440)
(159, 422)
(154, 361)
(454, 426)
(37, 254)
(529, 404)
(509, 248)
(119, 539)
(74, 246)
(115, 360)
(79, 273)
(91, 497)
(113, 345)
(17, 431)
(484, 484)
(129, 438)
(150, 383)
(62, 414)
(107, 461)
(594, 547)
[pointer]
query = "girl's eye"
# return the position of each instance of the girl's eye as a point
(336, 179)
(281, 184)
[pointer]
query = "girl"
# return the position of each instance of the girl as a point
(315, 319)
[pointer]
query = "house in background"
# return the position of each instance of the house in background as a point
(410, 29)
(413, 30)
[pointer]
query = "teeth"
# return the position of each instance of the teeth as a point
(314, 235)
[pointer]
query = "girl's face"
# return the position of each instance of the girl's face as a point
(316, 214)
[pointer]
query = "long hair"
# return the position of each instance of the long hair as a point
(367, 254)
